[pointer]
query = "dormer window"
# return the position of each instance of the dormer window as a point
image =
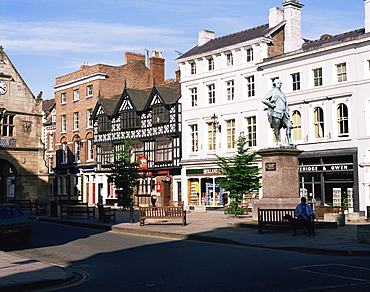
(130, 120)
(160, 115)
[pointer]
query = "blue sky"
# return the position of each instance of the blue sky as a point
(46, 39)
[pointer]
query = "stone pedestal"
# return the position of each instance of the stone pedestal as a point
(280, 186)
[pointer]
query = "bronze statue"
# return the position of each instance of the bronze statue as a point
(278, 112)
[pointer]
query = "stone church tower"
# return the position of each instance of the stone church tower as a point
(23, 173)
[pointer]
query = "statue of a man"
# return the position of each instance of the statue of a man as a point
(278, 111)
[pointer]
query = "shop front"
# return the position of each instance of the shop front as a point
(204, 189)
(330, 177)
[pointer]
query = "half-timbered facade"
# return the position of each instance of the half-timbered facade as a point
(151, 120)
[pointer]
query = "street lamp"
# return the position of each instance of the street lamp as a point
(216, 125)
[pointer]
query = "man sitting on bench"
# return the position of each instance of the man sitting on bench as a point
(303, 211)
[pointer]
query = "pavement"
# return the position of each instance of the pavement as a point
(22, 274)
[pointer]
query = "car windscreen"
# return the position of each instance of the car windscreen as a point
(10, 212)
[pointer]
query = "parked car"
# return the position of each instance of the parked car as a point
(14, 223)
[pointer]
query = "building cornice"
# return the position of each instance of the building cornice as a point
(81, 80)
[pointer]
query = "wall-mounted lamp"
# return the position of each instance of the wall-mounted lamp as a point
(216, 124)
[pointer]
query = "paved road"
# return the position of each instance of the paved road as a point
(109, 261)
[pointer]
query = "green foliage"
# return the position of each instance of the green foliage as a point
(242, 176)
(124, 173)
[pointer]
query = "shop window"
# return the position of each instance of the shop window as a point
(297, 125)
(342, 119)
(318, 123)
(130, 120)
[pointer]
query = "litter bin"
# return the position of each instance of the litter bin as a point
(53, 209)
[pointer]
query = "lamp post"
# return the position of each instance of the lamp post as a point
(216, 124)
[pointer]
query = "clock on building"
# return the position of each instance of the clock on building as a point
(3, 87)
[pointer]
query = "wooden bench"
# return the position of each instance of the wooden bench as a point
(26, 205)
(107, 214)
(321, 210)
(71, 208)
(165, 212)
(273, 217)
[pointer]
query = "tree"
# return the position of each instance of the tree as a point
(242, 175)
(124, 173)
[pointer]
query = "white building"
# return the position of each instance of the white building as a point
(327, 86)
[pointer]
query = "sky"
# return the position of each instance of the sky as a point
(46, 39)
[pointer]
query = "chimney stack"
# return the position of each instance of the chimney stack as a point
(84, 65)
(367, 16)
(133, 57)
(205, 36)
(292, 16)
(276, 16)
(157, 67)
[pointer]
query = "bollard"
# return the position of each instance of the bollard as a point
(131, 220)
(368, 213)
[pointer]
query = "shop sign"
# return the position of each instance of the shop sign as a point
(158, 186)
(326, 168)
(163, 172)
(211, 171)
(143, 163)
(168, 178)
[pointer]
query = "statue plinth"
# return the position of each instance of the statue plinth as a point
(280, 180)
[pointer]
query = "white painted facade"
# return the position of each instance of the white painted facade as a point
(349, 89)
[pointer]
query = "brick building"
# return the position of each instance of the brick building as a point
(23, 174)
(75, 97)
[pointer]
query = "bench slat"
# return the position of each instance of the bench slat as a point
(165, 212)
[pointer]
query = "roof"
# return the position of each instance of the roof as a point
(48, 104)
(229, 40)
(139, 97)
(110, 104)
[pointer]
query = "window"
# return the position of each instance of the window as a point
(249, 55)
(229, 59)
(317, 77)
(75, 120)
(130, 120)
(250, 86)
(252, 131)
(193, 68)
(163, 151)
(89, 121)
(230, 90)
(89, 90)
(64, 152)
(51, 141)
(342, 72)
(318, 122)
(53, 117)
(76, 94)
(194, 137)
(342, 118)
(90, 149)
(64, 123)
(211, 64)
(7, 125)
(297, 125)
(230, 134)
(160, 115)
(211, 93)
(194, 96)
(106, 155)
(211, 136)
(104, 124)
(137, 150)
(296, 81)
(77, 149)
(64, 97)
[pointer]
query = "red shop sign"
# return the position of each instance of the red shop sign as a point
(143, 163)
